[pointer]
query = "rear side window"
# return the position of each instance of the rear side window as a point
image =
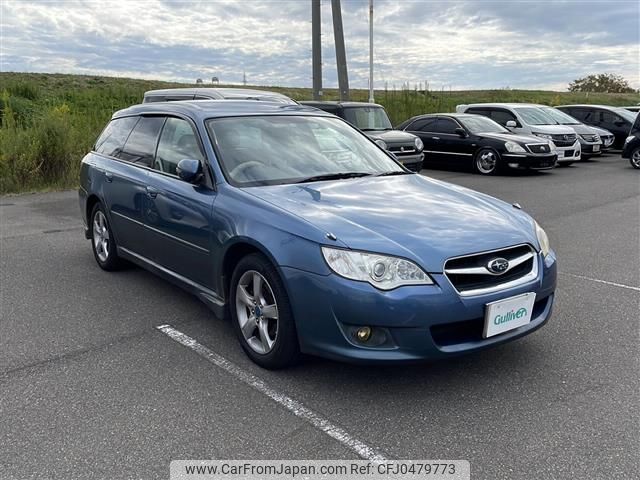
(479, 111)
(177, 142)
(140, 147)
(113, 137)
(423, 125)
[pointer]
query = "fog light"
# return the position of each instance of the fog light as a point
(363, 334)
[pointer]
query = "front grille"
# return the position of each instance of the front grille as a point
(590, 138)
(470, 274)
(539, 147)
(564, 140)
(401, 150)
(468, 331)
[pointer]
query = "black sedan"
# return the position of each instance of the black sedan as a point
(456, 139)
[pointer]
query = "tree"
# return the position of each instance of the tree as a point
(601, 83)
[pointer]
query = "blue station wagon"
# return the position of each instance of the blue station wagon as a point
(305, 233)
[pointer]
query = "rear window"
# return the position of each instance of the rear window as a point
(113, 137)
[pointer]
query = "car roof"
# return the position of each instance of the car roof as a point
(509, 105)
(224, 92)
(340, 103)
(589, 105)
(203, 109)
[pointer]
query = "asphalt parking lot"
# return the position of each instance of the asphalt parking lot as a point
(90, 388)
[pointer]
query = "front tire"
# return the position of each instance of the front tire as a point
(103, 242)
(261, 314)
(486, 161)
(634, 158)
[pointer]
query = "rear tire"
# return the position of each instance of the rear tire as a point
(261, 314)
(634, 158)
(103, 242)
(486, 161)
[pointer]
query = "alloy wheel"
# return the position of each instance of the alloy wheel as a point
(486, 162)
(101, 237)
(635, 158)
(257, 312)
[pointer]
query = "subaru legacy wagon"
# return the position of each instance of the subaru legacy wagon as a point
(305, 233)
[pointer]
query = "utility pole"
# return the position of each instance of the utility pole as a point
(371, 99)
(316, 49)
(341, 55)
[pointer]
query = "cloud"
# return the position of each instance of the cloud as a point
(462, 44)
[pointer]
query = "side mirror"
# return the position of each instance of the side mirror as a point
(511, 124)
(189, 170)
(461, 132)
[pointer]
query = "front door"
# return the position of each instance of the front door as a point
(178, 213)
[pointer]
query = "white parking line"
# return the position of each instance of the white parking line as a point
(295, 407)
(621, 285)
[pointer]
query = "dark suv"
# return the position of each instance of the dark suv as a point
(632, 145)
(373, 120)
(615, 119)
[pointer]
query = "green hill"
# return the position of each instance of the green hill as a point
(49, 121)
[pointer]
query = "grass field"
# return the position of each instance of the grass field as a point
(49, 121)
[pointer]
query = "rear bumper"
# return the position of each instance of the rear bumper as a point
(416, 323)
(530, 161)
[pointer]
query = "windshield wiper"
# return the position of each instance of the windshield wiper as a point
(394, 172)
(334, 176)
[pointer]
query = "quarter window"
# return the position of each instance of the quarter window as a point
(114, 136)
(141, 144)
(177, 142)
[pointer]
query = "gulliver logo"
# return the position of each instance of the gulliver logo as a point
(511, 315)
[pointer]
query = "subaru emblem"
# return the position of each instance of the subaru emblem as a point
(498, 265)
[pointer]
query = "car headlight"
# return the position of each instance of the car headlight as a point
(543, 135)
(543, 240)
(514, 147)
(419, 144)
(552, 146)
(381, 143)
(629, 138)
(381, 271)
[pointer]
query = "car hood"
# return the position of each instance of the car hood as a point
(410, 216)
(552, 129)
(392, 136)
(514, 137)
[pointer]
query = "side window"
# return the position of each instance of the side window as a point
(479, 111)
(589, 115)
(177, 142)
(445, 125)
(502, 117)
(423, 125)
(201, 97)
(113, 137)
(141, 144)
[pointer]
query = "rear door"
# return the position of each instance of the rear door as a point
(123, 185)
(423, 129)
(178, 213)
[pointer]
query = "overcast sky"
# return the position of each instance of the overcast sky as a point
(451, 44)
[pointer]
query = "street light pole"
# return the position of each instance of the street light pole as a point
(371, 99)
(316, 49)
(341, 55)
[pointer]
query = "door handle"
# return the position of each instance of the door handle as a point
(108, 176)
(152, 192)
(435, 138)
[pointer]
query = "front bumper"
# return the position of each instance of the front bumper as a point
(569, 154)
(591, 149)
(421, 322)
(412, 162)
(530, 161)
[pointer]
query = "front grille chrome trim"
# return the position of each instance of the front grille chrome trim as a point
(528, 277)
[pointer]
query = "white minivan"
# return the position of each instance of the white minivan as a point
(526, 118)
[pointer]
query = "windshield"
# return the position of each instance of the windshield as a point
(272, 150)
(368, 118)
(535, 116)
(480, 124)
(560, 117)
